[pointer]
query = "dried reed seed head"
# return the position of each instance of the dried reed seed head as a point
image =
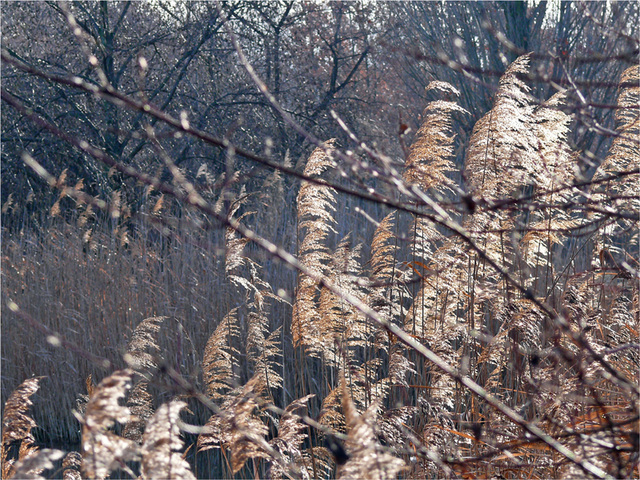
(16, 424)
(140, 403)
(162, 443)
(502, 153)
(71, 466)
(143, 344)
(72, 460)
(220, 356)
(103, 451)
(237, 427)
(316, 205)
(430, 155)
(289, 441)
(321, 158)
(443, 87)
(103, 408)
(31, 466)
(367, 458)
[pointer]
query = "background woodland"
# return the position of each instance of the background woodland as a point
(320, 240)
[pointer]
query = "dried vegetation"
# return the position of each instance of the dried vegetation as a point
(332, 392)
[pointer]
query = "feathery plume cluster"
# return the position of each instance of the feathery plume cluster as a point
(386, 291)
(140, 403)
(617, 239)
(289, 441)
(142, 350)
(237, 428)
(316, 205)
(162, 443)
(71, 466)
(367, 459)
(20, 457)
(341, 328)
(429, 159)
(220, 357)
(103, 450)
(502, 153)
(31, 466)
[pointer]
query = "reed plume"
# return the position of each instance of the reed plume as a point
(501, 156)
(17, 438)
(143, 348)
(429, 160)
(161, 445)
(316, 205)
(103, 450)
(339, 322)
(289, 442)
(616, 245)
(71, 466)
(32, 465)
(236, 427)
(386, 291)
(140, 403)
(367, 458)
(220, 357)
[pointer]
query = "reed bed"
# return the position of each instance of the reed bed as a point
(462, 343)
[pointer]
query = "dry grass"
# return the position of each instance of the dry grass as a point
(310, 384)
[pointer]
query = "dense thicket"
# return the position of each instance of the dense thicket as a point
(341, 240)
